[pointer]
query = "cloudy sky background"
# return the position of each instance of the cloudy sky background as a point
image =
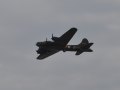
(24, 22)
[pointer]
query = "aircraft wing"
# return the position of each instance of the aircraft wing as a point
(63, 41)
(66, 37)
(47, 54)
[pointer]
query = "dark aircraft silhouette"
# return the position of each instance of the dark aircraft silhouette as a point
(48, 48)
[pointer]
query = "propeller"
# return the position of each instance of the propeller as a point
(46, 39)
(52, 36)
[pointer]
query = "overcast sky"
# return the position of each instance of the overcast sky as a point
(25, 22)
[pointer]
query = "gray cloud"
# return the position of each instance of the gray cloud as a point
(24, 22)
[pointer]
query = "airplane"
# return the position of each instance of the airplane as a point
(48, 48)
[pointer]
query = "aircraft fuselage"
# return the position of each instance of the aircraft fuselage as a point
(49, 45)
(83, 47)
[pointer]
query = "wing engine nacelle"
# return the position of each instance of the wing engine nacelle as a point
(40, 44)
(41, 50)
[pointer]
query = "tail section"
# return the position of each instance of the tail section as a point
(84, 46)
(85, 41)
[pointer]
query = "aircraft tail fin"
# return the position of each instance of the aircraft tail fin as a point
(85, 41)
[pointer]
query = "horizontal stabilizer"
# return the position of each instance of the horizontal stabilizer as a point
(79, 52)
(89, 50)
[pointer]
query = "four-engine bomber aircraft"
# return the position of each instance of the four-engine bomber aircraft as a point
(48, 48)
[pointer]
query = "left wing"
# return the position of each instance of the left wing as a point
(47, 54)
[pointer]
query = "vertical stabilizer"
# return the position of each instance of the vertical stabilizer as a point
(85, 41)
